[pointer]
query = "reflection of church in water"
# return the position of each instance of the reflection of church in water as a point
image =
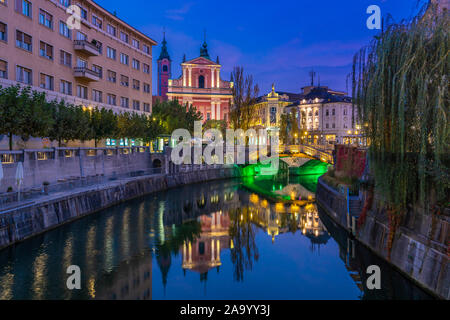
(203, 254)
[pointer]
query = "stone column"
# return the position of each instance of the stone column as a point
(212, 78)
(184, 77)
(213, 111)
(190, 77)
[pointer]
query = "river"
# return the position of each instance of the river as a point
(257, 238)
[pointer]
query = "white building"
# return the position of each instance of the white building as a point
(326, 116)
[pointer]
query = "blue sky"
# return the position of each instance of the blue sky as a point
(275, 41)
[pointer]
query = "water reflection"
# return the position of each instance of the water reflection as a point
(167, 246)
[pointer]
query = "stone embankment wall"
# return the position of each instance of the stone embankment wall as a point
(24, 222)
(51, 165)
(420, 246)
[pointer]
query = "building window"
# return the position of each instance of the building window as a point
(345, 112)
(208, 116)
(82, 92)
(45, 19)
(112, 76)
(124, 37)
(96, 21)
(3, 69)
(146, 88)
(147, 107)
(65, 3)
(146, 68)
(24, 41)
(112, 99)
(46, 82)
(327, 126)
(3, 32)
(81, 63)
(83, 13)
(64, 30)
(136, 64)
(111, 53)
(24, 75)
(98, 69)
(124, 81)
(24, 7)
(97, 96)
(65, 58)
(124, 102)
(136, 105)
(135, 43)
(146, 49)
(124, 59)
(81, 36)
(46, 50)
(165, 68)
(136, 84)
(65, 87)
(333, 112)
(201, 82)
(111, 30)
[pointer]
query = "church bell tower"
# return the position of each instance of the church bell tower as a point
(164, 70)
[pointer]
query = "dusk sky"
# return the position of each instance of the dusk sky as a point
(275, 41)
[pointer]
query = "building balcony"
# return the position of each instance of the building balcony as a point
(86, 47)
(86, 74)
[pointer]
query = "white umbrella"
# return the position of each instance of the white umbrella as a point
(19, 177)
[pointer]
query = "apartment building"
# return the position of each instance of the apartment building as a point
(105, 62)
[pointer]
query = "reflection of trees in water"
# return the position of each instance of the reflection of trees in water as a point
(242, 235)
(186, 232)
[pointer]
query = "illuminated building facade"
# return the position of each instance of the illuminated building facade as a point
(270, 107)
(201, 86)
(326, 116)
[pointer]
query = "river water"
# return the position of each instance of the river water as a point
(255, 238)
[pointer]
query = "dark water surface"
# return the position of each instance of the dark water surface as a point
(217, 240)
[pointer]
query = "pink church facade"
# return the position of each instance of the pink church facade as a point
(200, 85)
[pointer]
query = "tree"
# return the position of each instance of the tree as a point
(400, 86)
(103, 124)
(10, 112)
(64, 125)
(245, 93)
(171, 115)
(24, 113)
(220, 125)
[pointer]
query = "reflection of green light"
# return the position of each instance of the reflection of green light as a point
(312, 167)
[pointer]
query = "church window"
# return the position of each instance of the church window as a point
(165, 69)
(201, 82)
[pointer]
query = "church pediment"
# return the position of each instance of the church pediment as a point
(201, 61)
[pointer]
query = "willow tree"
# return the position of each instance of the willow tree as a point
(400, 86)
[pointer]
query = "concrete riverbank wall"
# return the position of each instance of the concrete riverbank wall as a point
(24, 222)
(420, 246)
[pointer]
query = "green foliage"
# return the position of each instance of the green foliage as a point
(24, 113)
(220, 125)
(171, 115)
(400, 86)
